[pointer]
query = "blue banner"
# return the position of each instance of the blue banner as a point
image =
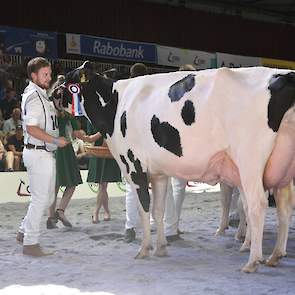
(27, 42)
(118, 49)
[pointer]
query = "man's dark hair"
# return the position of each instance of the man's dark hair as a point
(138, 69)
(35, 64)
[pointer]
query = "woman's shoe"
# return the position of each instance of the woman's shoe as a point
(63, 219)
(94, 220)
(51, 223)
(107, 217)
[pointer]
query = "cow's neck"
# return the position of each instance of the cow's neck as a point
(102, 117)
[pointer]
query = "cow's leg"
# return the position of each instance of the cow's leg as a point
(159, 188)
(241, 233)
(284, 200)
(247, 241)
(146, 245)
(139, 177)
(256, 203)
(226, 197)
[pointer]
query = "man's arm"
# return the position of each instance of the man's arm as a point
(40, 134)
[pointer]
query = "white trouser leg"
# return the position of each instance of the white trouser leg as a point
(170, 216)
(42, 174)
(178, 188)
(234, 202)
(132, 215)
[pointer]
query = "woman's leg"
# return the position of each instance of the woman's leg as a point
(105, 202)
(66, 197)
(9, 160)
(100, 201)
(52, 220)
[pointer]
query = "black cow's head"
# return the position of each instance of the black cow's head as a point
(94, 92)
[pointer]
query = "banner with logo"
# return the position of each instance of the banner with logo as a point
(236, 61)
(111, 48)
(278, 63)
(175, 57)
(25, 42)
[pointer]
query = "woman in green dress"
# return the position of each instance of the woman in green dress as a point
(102, 171)
(67, 169)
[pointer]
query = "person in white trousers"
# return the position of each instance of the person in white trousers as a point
(174, 201)
(132, 215)
(41, 140)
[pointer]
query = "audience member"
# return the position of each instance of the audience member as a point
(8, 103)
(6, 158)
(15, 143)
(15, 120)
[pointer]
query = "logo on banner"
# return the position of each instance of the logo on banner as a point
(73, 43)
(173, 58)
(199, 62)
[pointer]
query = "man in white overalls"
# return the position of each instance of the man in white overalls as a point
(41, 139)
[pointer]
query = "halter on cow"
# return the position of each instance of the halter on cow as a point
(219, 125)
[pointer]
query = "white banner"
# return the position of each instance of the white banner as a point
(73, 44)
(175, 57)
(236, 61)
(17, 189)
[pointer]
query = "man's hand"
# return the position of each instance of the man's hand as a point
(62, 142)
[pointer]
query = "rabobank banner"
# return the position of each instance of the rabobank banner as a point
(25, 42)
(175, 57)
(236, 61)
(111, 48)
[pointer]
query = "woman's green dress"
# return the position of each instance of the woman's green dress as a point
(101, 169)
(67, 169)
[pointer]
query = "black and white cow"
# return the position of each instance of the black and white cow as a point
(219, 125)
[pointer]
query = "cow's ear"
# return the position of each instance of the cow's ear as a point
(87, 71)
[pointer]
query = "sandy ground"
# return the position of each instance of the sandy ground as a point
(93, 258)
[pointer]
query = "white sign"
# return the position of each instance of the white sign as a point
(73, 44)
(175, 57)
(17, 189)
(236, 61)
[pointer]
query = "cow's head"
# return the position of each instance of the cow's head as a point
(90, 94)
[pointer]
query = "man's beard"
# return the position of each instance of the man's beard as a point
(44, 86)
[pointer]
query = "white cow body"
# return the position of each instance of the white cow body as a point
(226, 123)
(229, 140)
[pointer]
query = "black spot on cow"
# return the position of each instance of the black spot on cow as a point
(125, 163)
(166, 136)
(178, 89)
(140, 178)
(123, 124)
(282, 90)
(188, 113)
(130, 156)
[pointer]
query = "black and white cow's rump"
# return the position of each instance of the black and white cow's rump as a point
(210, 126)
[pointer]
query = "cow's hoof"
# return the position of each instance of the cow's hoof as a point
(239, 237)
(273, 260)
(220, 232)
(245, 248)
(161, 251)
(143, 253)
(250, 267)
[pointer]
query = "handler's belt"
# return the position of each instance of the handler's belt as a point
(35, 147)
